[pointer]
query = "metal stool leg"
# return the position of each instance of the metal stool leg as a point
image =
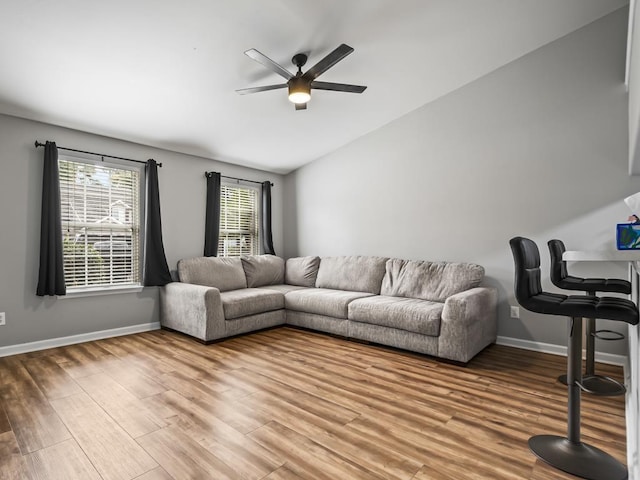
(589, 366)
(569, 454)
(592, 383)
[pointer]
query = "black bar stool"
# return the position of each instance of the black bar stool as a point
(568, 453)
(591, 383)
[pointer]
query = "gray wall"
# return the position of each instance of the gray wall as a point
(537, 148)
(634, 93)
(182, 197)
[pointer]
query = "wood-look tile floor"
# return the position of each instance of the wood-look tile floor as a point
(284, 404)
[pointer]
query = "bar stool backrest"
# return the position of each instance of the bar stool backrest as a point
(558, 271)
(526, 258)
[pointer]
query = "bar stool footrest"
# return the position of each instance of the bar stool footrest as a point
(608, 335)
(578, 459)
(601, 386)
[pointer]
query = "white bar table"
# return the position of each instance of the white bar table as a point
(629, 256)
(632, 374)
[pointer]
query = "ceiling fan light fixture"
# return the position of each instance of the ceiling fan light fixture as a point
(299, 90)
(299, 85)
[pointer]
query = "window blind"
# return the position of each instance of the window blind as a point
(100, 224)
(239, 224)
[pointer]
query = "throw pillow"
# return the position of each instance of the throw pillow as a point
(302, 271)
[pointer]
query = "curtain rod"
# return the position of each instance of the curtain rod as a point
(38, 144)
(207, 174)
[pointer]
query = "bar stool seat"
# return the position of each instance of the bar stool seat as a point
(609, 285)
(568, 453)
(591, 383)
(582, 305)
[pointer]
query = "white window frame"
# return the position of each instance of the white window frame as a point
(222, 250)
(106, 289)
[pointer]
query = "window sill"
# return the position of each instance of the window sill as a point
(95, 291)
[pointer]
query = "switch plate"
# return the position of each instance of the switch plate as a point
(515, 312)
(3, 318)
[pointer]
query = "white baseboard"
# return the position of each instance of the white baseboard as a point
(73, 339)
(609, 358)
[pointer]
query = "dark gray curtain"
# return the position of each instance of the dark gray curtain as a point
(212, 220)
(51, 274)
(267, 235)
(156, 270)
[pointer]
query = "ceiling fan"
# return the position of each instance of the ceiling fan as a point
(300, 84)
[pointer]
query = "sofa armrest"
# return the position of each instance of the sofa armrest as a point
(192, 309)
(469, 323)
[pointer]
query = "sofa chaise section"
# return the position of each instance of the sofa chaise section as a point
(435, 308)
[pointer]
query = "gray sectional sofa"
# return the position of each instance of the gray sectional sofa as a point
(435, 308)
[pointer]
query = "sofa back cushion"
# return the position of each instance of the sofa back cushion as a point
(262, 270)
(223, 273)
(301, 271)
(357, 273)
(433, 281)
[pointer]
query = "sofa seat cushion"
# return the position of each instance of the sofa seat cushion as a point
(282, 288)
(410, 314)
(249, 301)
(321, 301)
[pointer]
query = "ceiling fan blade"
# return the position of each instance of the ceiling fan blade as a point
(327, 62)
(338, 87)
(267, 62)
(245, 91)
(301, 106)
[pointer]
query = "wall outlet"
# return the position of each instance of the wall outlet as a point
(3, 318)
(515, 312)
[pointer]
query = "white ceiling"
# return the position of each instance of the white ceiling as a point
(163, 73)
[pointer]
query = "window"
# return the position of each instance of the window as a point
(239, 224)
(101, 213)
